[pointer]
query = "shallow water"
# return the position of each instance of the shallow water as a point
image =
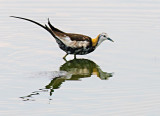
(118, 79)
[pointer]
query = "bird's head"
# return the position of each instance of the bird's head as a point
(100, 38)
(103, 36)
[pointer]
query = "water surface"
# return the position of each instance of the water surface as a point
(117, 79)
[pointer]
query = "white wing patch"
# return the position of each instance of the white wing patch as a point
(74, 44)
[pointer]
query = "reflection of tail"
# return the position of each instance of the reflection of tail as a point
(30, 96)
(44, 27)
(54, 84)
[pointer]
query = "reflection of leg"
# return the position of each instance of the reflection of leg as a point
(65, 56)
(74, 56)
(51, 91)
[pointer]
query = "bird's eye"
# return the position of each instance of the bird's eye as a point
(104, 35)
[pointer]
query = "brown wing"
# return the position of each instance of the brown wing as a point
(71, 39)
(78, 37)
(72, 36)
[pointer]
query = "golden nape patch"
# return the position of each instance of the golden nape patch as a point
(94, 41)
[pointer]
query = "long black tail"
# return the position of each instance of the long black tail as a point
(44, 27)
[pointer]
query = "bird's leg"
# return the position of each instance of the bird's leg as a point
(64, 57)
(74, 56)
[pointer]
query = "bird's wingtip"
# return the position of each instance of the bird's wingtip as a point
(49, 21)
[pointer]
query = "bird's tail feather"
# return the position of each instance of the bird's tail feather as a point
(53, 28)
(45, 27)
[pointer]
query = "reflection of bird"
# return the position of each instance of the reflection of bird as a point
(71, 43)
(77, 69)
(71, 70)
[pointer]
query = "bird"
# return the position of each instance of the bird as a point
(72, 43)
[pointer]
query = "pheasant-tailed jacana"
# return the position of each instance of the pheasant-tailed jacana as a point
(72, 43)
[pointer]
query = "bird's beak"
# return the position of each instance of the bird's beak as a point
(110, 39)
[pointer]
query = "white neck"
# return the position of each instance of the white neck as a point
(99, 42)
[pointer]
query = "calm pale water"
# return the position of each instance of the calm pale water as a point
(117, 79)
